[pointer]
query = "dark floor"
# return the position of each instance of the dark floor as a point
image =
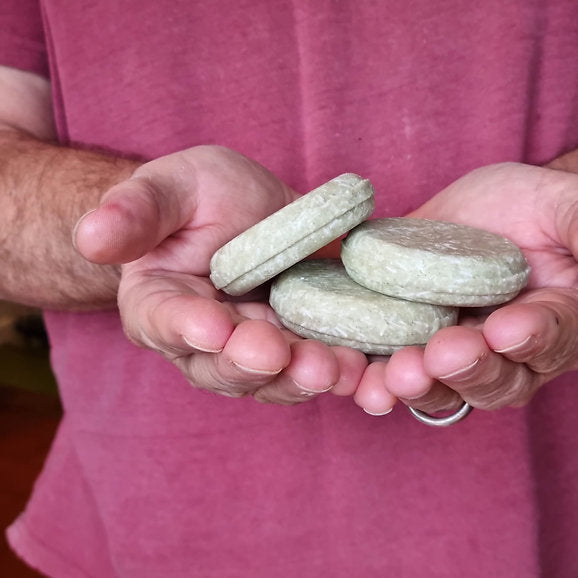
(28, 421)
(29, 415)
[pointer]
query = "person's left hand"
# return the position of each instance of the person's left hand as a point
(501, 359)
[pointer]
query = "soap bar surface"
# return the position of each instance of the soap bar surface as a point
(317, 299)
(434, 262)
(292, 233)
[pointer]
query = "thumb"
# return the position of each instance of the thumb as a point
(566, 214)
(567, 162)
(568, 210)
(133, 218)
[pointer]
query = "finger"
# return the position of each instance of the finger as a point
(176, 316)
(254, 356)
(541, 331)
(371, 394)
(172, 313)
(352, 365)
(406, 379)
(133, 218)
(313, 370)
(257, 348)
(405, 375)
(460, 358)
(216, 348)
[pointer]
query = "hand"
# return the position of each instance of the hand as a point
(164, 224)
(503, 358)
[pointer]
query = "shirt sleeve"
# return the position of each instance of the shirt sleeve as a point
(22, 39)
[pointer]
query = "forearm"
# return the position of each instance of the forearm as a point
(44, 190)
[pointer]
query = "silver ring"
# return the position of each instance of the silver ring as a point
(462, 413)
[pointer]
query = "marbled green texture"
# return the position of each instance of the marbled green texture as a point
(434, 262)
(292, 233)
(317, 299)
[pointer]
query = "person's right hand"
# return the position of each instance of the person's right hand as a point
(163, 225)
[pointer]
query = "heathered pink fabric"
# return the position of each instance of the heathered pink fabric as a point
(151, 478)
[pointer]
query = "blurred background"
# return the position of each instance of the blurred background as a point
(30, 412)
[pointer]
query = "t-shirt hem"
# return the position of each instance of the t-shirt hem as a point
(33, 551)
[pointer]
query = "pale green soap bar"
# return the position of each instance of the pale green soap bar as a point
(317, 299)
(292, 234)
(434, 262)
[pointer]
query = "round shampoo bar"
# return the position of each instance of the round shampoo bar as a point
(292, 233)
(434, 262)
(317, 299)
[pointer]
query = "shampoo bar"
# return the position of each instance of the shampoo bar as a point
(434, 262)
(292, 233)
(317, 299)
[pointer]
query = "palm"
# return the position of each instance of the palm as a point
(529, 205)
(210, 195)
(200, 198)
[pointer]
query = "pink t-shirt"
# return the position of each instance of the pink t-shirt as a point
(151, 478)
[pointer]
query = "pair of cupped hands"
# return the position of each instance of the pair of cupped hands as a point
(165, 222)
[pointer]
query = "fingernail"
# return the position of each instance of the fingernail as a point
(414, 397)
(257, 371)
(518, 347)
(202, 348)
(82, 217)
(461, 373)
(77, 225)
(378, 414)
(308, 391)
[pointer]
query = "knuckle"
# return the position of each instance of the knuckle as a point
(441, 400)
(513, 389)
(273, 395)
(560, 344)
(558, 357)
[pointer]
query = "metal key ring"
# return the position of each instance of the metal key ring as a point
(459, 415)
